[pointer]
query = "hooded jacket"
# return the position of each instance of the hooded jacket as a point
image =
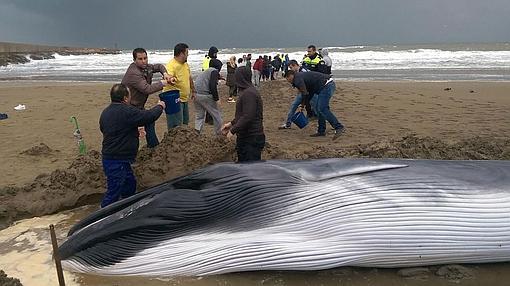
(327, 60)
(248, 119)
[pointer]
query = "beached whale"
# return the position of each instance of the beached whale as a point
(302, 215)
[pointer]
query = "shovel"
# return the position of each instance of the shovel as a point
(77, 134)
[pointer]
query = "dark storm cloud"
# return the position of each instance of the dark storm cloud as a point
(261, 23)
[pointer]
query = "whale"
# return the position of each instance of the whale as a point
(301, 215)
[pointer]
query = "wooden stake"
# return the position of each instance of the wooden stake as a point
(56, 257)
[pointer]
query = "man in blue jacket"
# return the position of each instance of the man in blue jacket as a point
(119, 124)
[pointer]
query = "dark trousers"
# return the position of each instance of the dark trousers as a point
(120, 180)
(250, 148)
(150, 135)
(232, 91)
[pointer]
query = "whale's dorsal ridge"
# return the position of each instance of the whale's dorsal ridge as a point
(325, 169)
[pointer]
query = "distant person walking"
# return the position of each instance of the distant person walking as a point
(138, 78)
(231, 81)
(248, 121)
(207, 100)
(179, 68)
(119, 124)
(258, 67)
(323, 86)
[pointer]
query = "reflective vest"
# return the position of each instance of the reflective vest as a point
(205, 63)
(311, 64)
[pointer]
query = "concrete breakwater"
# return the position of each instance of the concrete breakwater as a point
(15, 53)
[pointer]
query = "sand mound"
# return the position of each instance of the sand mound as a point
(413, 147)
(183, 150)
(38, 150)
(8, 281)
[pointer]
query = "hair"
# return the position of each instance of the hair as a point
(312, 47)
(118, 92)
(232, 61)
(138, 51)
(293, 62)
(240, 60)
(179, 49)
(289, 73)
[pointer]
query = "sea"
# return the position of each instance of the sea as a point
(426, 62)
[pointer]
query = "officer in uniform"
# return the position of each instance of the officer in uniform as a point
(313, 61)
(213, 53)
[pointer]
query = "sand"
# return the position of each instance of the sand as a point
(43, 174)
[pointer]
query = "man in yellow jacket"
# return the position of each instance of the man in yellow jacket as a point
(179, 68)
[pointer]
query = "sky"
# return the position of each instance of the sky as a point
(160, 24)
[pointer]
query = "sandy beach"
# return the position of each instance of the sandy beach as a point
(371, 111)
(43, 174)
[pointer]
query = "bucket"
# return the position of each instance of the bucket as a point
(172, 102)
(300, 120)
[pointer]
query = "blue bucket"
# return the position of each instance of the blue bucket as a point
(172, 102)
(300, 120)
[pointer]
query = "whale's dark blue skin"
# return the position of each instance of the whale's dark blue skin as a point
(302, 215)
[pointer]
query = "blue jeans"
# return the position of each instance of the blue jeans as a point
(179, 118)
(150, 135)
(295, 105)
(323, 111)
(120, 181)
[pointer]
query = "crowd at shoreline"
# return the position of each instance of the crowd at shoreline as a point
(126, 119)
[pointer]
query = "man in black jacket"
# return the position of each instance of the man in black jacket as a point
(119, 124)
(322, 86)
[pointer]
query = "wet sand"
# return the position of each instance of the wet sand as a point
(42, 174)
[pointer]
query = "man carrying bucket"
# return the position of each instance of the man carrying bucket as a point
(179, 68)
(293, 65)
(323, 86)
(138, 78)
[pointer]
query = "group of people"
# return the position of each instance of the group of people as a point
(315, 88)
(126, 118)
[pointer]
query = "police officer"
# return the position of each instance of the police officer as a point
(212, 54)
(313, 61)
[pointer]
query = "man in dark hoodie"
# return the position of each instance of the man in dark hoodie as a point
(248, 121)
(119, 124)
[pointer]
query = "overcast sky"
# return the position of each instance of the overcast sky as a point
(261, 23)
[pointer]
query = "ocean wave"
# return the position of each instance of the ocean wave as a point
(345, 58)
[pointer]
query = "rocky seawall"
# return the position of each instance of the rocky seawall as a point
(13, 53)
